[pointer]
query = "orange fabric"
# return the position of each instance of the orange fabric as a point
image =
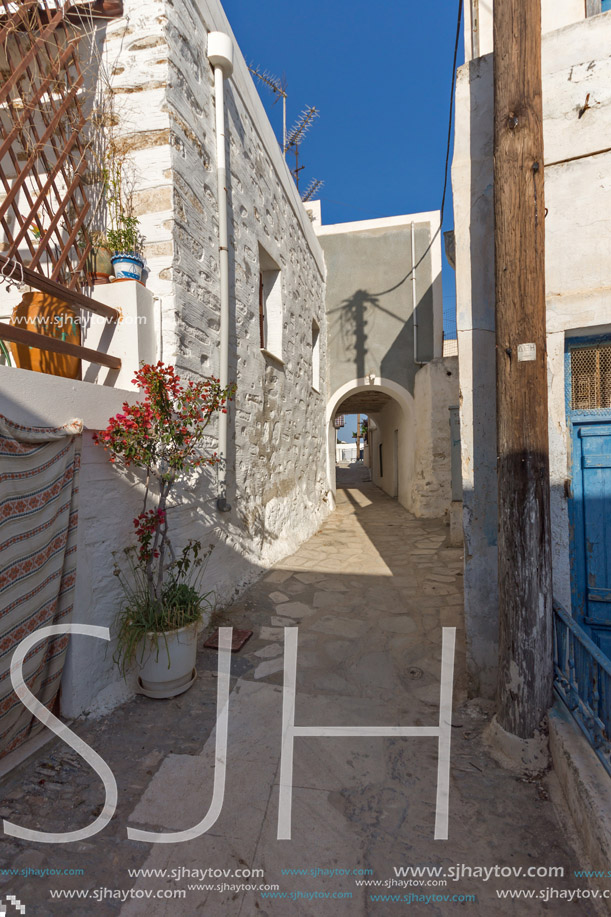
(48, 315)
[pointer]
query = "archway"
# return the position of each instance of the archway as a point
(390, 407)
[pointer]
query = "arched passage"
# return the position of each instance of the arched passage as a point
(390, 406)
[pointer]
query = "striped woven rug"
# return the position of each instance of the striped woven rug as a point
(38, 518)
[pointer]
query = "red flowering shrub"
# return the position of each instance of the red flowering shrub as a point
(162, 434)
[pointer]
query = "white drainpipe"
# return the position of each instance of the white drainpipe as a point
(220, 55)
(414, 296)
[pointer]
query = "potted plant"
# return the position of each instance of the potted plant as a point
(162, 611)
(99, 267)
(124, 235)
(125, 240)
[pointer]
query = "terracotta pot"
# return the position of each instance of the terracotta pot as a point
(48, 315)
(99, 265)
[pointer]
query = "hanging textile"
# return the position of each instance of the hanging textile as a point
(38, 518)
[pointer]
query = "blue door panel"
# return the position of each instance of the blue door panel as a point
(596, 429)
(590, 517)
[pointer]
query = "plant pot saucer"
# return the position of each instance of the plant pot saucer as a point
(166, 692)
(124, 279)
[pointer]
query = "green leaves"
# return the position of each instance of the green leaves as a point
(126, 235)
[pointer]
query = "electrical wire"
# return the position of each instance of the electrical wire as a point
(451, 118)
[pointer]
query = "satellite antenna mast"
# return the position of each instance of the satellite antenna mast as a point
(297, 133)
(278, 86)
(312, 189)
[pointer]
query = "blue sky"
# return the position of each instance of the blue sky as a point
(380, 76)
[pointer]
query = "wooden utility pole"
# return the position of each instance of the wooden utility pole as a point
(524, 546)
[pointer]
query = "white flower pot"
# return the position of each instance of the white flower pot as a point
(127, 265)
(168, 662)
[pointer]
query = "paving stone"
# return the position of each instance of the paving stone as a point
(270, 667)
(331, 600)
(340, 627)
(277, 621)
(309, 577)
(271, 633)
(398, 625)
(277, 576)
(267, 652)
(297, 610)
(357, 802)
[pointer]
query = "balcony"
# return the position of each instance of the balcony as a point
(582, 680)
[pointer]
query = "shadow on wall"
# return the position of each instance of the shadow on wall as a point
(361, 334)
(478, 346)
(109, 499)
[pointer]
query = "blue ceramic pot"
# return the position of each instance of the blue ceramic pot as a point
(128, 265)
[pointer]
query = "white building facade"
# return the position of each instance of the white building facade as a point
(163, 94)
(577, 121)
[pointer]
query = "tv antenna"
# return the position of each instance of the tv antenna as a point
(277, 85)
(312, 189)
(296, 135)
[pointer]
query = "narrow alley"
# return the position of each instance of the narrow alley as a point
(370, 593)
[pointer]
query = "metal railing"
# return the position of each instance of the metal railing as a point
(582, 680)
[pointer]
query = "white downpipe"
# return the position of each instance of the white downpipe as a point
(414, 296)
(220, 55)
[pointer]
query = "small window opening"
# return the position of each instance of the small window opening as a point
(315, 356)
(270, 305)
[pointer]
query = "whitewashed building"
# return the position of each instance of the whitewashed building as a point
(155, 62)
(576, 61)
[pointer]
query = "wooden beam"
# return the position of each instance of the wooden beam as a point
(524, 546)
(55, 345)
(42, 283)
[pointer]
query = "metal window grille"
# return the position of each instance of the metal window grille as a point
(591, 378)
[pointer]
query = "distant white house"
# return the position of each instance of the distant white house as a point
(345, 452)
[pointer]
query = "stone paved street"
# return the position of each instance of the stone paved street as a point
(370, 593)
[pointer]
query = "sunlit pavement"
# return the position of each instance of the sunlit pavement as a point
(369, 594)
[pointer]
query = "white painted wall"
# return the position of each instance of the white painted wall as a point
(431, 486)
(393, 421)
(576, 61)
(422, 427)
(555, 14)
(397, 414)
(345, 452)
(277, 451)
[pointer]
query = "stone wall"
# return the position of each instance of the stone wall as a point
(162, 88)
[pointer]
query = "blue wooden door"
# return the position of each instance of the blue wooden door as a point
(591, 530)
